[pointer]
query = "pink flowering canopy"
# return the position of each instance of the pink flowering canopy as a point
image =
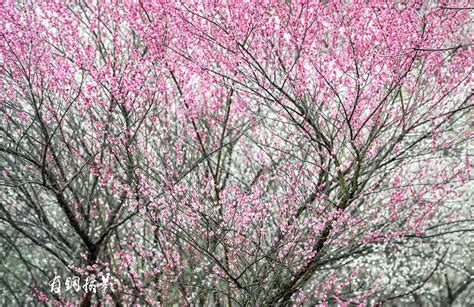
(228, 152)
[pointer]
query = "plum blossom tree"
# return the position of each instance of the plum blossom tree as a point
(233, 153)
